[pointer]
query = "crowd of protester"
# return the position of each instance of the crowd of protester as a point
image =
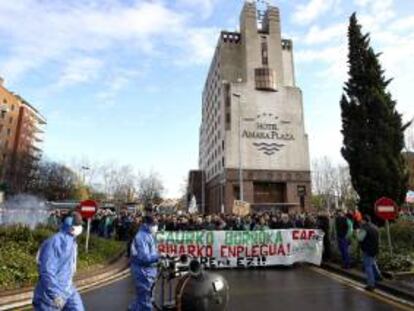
(339, 226)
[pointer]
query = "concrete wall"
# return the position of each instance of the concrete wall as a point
(286, 105)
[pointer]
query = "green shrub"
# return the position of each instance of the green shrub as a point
(19, 246)
(402, 236)
(15, 233)
(17, 266)
(395, 263)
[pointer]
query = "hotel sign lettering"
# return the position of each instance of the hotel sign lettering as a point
(270, 134)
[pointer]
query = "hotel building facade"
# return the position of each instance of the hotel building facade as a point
(253, 144)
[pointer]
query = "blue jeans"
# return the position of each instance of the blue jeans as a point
(371, 270)
(343, 245)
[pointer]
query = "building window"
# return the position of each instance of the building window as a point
(265, 60)
(11, 120)
(12, 107)
(8, 132)
(265, 79)
(228, 119)
(236, 192)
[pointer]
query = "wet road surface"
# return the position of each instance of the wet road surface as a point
(297, 288)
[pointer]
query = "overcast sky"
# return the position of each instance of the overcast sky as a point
(121, 80)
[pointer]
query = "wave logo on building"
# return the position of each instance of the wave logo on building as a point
(268, 148)
(270, 133)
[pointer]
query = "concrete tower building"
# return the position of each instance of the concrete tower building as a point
(253, 144)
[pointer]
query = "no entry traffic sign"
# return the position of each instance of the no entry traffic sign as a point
(88, 208)
(386, 209)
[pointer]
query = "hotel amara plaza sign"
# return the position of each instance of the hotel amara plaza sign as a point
(270, 133)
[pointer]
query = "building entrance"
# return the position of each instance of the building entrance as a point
(269, 192)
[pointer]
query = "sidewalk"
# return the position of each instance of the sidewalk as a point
(397, 287)
(19, 298)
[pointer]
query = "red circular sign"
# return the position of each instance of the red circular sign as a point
(88, 208)
(386, 209)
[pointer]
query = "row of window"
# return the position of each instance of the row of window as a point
(210, 133)
(215, 169)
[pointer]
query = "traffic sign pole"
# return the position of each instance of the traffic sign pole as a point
(386, 209)
(387, 225)
(87, 209)
(88, 232)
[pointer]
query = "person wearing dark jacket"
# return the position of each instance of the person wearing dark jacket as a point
(344, 230)
(285, 222)
(324, 225)
(368, 238)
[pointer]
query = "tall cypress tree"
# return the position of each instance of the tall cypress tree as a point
(373, 131)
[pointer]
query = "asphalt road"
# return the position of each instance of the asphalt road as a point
(297, 288)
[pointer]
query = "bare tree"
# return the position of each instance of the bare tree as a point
(332, 184)
(347, 196)
(323, 180)
(54, 182)
(150, 187)
(86, 170)
(125, 189)
(119, 182)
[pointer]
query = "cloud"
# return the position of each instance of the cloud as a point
(403, 24)
(375, 14)
(201, 46)
(114, 83)
(40, 32)
(80, 70)
(203, 7)
(362, 3)
(307, 13)
(318, 35)
(331, 61)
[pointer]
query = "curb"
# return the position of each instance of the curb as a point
(385, 286)
(111, 273)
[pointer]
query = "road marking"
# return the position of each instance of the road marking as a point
(118, 277)
(87, 288)
(377, 294)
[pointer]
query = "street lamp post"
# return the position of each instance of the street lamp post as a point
(84, 169)
(238, 96)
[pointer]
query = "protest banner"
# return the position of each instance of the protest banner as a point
(227, 249)
(241, 208)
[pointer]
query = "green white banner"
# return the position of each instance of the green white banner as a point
(227, 249)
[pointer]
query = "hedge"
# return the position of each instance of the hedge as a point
(402, 236)
(19, 245)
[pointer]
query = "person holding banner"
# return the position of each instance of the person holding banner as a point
(144, 257)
